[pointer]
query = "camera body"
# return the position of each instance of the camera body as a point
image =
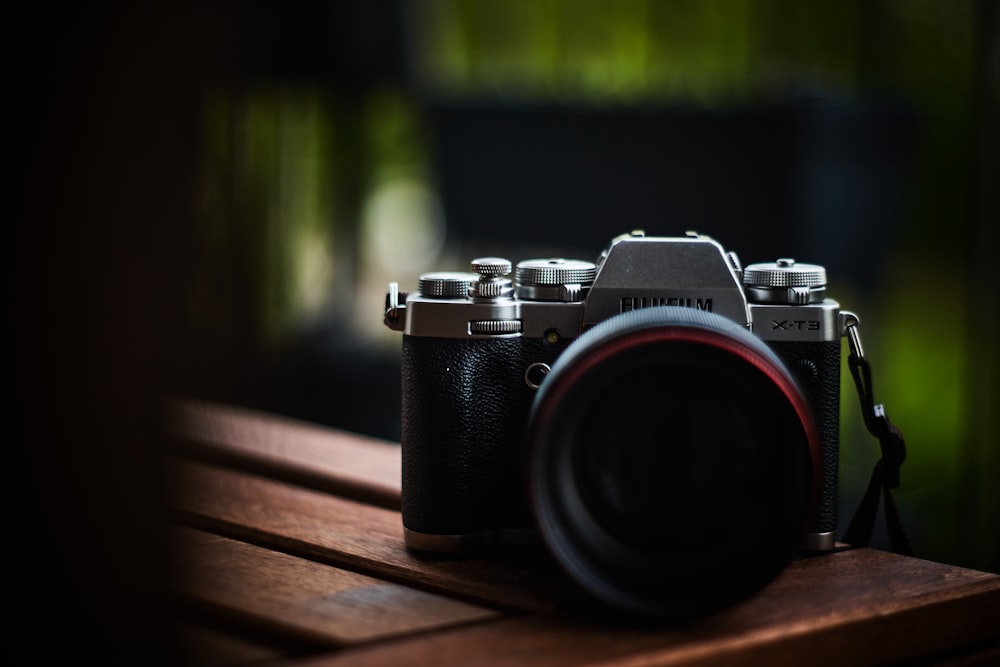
(478, 348)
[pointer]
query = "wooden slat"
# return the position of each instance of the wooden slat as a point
(353, 535)
(860, 607)
(318, 604)
(199, 646)
(854, 607)
(306, 454)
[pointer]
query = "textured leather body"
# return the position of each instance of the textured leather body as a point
(817, 368)
(465, 409)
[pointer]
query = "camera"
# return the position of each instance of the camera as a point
(663, 420)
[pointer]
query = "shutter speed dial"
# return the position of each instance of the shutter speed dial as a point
(554, 279)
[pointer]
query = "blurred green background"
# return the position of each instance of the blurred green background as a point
(211, 197)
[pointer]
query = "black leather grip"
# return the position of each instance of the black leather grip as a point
(817, 368)
(465, 407)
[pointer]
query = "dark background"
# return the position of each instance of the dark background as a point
(892, 182)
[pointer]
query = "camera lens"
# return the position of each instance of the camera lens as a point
(671, 462)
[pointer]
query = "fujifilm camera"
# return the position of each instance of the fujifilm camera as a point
(663, 420)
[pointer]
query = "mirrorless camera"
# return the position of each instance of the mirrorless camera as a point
(663, 420)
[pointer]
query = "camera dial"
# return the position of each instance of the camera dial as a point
(554, 279)
(445, 284)
(492, 281)
(785, 281)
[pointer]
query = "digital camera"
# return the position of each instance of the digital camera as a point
(663, 420)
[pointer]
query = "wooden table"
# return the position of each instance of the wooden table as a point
(288, 545)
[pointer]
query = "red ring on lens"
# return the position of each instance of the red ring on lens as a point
(599, 560)
(683, 333)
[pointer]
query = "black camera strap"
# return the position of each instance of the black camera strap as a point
(885, 477)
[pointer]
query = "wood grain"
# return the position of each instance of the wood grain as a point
(294, 530)
(353, 535)
(859, 607)
(316, 603)
(200, 646)
(282, 448)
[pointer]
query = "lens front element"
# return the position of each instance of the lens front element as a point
(672, 460)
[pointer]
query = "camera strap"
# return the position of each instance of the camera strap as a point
(885, 477)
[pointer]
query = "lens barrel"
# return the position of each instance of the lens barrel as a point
(672, 462)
